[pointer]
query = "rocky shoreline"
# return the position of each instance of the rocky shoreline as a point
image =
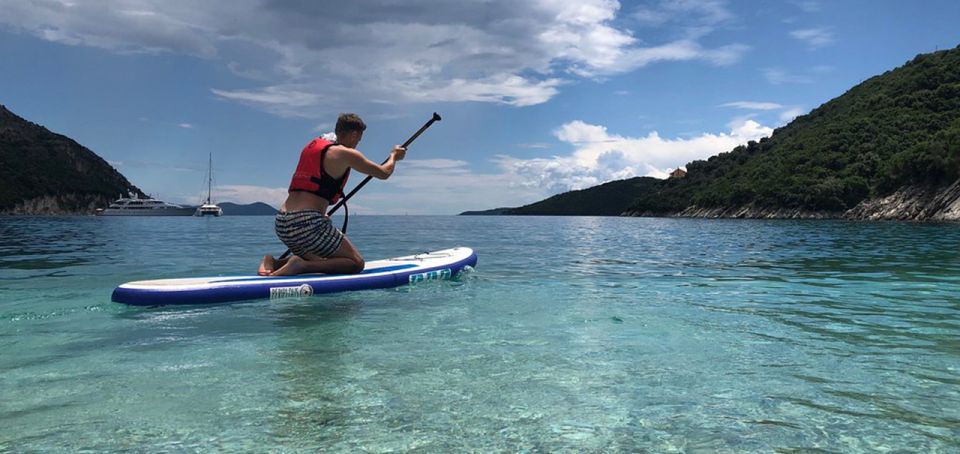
(59, 205)
(911, 203)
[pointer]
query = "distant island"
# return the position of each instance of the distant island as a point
(493, 212)
(889, 148)
(608, 199)
(251, 209)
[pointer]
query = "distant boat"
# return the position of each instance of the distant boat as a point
(135, 206)
(209, 208)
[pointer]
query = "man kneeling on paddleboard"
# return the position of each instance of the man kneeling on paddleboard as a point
(302, 224)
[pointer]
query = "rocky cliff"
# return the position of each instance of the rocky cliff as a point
(42, 172)
(912, 203)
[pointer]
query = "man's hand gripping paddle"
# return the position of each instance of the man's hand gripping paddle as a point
(366, 180)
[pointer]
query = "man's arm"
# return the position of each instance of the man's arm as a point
(356, 160)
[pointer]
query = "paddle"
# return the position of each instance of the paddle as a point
(366, 180)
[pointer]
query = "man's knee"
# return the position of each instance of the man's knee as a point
(357, 265)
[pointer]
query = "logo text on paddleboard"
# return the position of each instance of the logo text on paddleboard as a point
(431, 275)
(291, 292)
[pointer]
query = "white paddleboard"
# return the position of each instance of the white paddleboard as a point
(445, 264)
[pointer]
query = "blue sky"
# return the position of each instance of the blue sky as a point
(537, 97)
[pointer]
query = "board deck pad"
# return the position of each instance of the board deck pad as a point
(445, 264)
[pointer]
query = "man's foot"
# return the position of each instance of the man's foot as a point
(267, 265)
(293, 267)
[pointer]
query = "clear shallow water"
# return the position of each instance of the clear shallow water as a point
(576, 334)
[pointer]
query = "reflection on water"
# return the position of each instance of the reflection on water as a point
(572, 334)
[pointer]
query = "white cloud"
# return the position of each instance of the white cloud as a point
(753, 105)
(600, 156)
(123, 27)
(493, 51)
(814, 37)
(185, 125)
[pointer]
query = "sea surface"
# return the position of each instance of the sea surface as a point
(572, 334)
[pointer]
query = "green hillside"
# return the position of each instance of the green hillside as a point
(608, 199)
(896, 129)
(35, 162)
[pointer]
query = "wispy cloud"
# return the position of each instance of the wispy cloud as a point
(185, 125)
(788, 115)
(695, 17)
(753, 105)
(777, 76)
(807, 6)
(281, 100)
(454, 165)
(814, 37)
(536, 145)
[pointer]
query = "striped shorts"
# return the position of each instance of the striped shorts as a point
(308, 231)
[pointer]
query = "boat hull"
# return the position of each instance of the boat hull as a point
(152, 212)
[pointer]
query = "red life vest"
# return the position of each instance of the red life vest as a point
(310, 175)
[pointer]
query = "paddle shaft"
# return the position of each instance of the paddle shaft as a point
(366, 180)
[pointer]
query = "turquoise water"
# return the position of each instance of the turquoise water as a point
(573, 334)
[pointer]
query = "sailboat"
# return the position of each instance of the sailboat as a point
(209, 208)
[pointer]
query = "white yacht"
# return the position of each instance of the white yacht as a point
(209, 208)
(135, 206)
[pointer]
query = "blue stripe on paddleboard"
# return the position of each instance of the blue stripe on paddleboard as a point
(301, 277)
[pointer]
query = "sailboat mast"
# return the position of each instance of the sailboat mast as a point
(209, 177)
